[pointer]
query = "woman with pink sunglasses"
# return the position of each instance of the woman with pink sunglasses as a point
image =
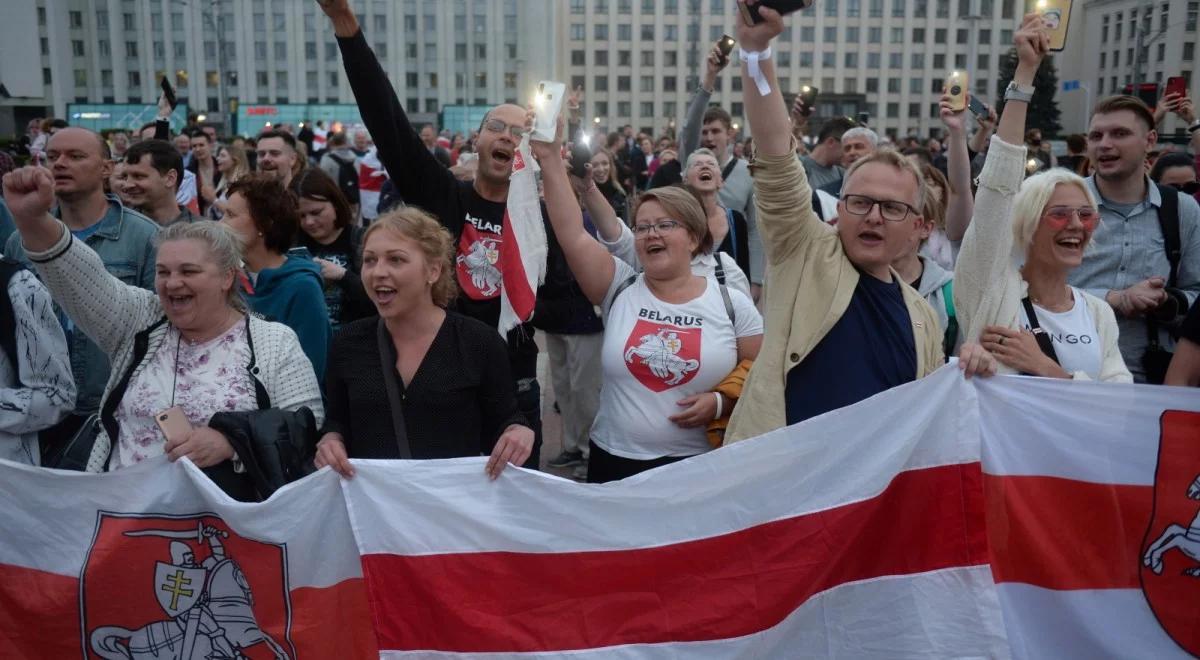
(1010, 281)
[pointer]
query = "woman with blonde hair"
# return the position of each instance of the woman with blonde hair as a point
(670, 337)
(419, 380)
(232, 165)
(1029, 318)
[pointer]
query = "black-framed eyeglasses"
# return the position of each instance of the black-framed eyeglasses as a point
(498, 126)
(661, 227)
(1189, 188)
(890, 209)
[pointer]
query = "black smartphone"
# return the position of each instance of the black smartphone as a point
(864, 118)
(169, 92)
(750, 12)
(726, 45)
(581, 154)
(978, 108)
(808, 96)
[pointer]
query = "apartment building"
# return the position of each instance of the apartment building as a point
(267, 51)
(1103, 46)
(639, 59)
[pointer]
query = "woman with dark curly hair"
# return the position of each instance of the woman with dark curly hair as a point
(420, 381)
(277, 286)
(329, 232)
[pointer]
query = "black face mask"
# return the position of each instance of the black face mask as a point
(1189, 188)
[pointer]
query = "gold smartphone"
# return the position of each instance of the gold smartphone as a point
(173, 423)
(956, 89)
(1056, 15)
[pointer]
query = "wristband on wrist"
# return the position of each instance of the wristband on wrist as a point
(752, 58)
(720, 405)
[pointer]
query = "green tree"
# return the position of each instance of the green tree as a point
(1043, 110)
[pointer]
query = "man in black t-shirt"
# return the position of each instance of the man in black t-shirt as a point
(1185, 366)
(473, 211)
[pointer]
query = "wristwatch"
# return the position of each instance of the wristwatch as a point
(1015, 92)
(1194, 126)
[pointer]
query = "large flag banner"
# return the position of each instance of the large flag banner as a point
(156, 562)
(1012, 517)
(1093, 498)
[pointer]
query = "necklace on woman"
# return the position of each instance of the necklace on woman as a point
(1055, 306)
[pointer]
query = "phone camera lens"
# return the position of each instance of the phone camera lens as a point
(956, 90)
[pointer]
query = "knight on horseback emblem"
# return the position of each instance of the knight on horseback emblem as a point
(662, 357)
(208, 602)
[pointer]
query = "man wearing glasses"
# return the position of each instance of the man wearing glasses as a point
(473, 211)
(841, 325)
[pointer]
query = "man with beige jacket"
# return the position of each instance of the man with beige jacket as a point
(841, 325)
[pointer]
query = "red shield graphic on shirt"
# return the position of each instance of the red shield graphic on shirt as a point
(1170, 572)
(183, 587)
(478, 254)
(662, 356)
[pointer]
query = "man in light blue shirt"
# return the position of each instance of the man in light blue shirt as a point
(1126, 263)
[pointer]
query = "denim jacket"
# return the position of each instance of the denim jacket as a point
(124, 241)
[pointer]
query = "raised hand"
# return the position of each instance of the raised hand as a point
(758, 37)
(953, 119)
(29, 193)
(1032, 41)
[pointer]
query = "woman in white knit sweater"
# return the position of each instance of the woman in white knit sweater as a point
(189, 346)
(1010, 281)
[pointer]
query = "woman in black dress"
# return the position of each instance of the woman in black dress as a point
(418, 381)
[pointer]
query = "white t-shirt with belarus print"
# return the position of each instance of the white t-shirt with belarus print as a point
(1073, 335)
(655, 354)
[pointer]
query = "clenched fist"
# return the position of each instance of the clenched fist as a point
(29, 193)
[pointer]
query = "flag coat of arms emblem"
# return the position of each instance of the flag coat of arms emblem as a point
(662, 356)
(1170, 572)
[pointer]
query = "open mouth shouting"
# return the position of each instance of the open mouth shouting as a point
(502, 156)
(384, 295)
(870, 238)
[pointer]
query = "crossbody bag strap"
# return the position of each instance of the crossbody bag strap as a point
(719, 273)
(1168, 223)
(387, 361)
(1039, 333)
(950, 338)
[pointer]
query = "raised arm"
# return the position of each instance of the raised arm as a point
(104, 307)
(961, 204)
(984, 293)
(591, 264)
(418, 176)
(784, 199)
(693, 123)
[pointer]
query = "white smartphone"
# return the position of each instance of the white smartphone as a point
(547, 106)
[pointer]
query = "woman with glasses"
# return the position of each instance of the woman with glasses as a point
(670, 337)
(1027, 316)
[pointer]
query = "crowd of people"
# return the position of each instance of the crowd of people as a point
(270, 305)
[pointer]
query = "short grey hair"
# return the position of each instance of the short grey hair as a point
(224, 246)
(702, 151)
(862, 132)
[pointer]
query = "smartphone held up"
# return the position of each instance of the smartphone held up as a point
(547, 106)
(752, 16)
(956, 89)
(1056, 15)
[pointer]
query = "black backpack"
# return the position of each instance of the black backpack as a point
(347, 179)
(8, 320)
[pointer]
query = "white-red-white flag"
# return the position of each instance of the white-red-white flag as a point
(1093, 505)
(371, 175)
(522, 258)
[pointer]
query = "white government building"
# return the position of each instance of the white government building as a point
(636, 59)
